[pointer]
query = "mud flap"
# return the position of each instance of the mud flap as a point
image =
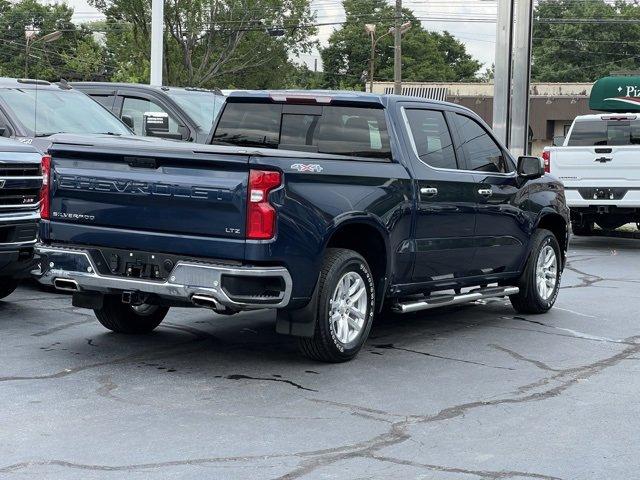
(300, 322)
(90, 300)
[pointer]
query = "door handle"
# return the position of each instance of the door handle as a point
(485, 192)
(429, 191)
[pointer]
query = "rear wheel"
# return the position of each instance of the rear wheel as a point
(133, 319)
(540, 281)
(7, 286)
(346, 305)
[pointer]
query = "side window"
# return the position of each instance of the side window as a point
(480, 150)
(136, 108)
(105, 100)
(431, 137)
(249, 125)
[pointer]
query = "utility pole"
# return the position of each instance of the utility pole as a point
(157, 37)
(519, 139)
(502, 73)
(397, 50)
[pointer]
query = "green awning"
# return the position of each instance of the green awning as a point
(616, 94)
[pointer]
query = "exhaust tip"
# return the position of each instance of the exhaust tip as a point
(206, 302)
(66, 284)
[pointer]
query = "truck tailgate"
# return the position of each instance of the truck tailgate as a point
(601, 164)
(172, 200)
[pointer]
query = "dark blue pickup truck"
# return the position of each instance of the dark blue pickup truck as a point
(328, 207)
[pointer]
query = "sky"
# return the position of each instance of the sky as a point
(471, 21)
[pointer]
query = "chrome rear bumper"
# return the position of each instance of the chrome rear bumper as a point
(73, 269)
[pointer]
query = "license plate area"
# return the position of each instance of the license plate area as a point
(134, 264)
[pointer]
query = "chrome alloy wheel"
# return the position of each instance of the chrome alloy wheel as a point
(546, 272)
(348, 307)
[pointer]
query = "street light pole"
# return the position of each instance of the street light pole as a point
(397, 50)
(370, 28)
(29, 35)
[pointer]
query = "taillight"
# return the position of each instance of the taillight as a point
(45, 166)
(546, 160)
(261, 216)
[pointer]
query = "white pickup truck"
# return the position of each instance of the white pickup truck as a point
(599, 164)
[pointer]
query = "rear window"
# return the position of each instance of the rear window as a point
(353, 131)
(605, 132)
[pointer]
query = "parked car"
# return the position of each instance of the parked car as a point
(189, 112)
(31, 111)
(324, 207)
(599, 164)
(20, 182)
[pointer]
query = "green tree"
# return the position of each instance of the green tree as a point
(426, 56)
(75, 55)
(583, 52)
(207, 43)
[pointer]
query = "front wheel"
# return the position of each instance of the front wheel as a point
(125, 318)
(540, 281)
(346, 305)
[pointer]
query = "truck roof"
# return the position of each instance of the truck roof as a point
(142, 86)
(347, 96)
(601, 116)
(7, 82)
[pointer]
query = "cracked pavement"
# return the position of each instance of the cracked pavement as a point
(472, 392)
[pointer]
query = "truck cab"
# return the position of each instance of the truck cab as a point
(189, 112)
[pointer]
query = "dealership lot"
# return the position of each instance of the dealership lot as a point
(472, 392)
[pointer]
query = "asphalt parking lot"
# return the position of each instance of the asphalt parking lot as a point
(472, 392)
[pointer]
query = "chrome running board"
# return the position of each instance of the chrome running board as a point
(443, 300)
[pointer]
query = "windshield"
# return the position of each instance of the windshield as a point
(605, 132)
(60, 111)
(201, 106)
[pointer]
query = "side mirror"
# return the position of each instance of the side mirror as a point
(128, 121)
(558, 140)
(155, 124)
(530, 167)
(3, 130)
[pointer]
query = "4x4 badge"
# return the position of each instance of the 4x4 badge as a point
(307, 167)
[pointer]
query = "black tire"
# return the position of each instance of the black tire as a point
(122, 318)
(7, 286)
(529, 300)
(582, 229)
(325, 346)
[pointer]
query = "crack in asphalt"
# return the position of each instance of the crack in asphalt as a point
(269, 379)
(522, 358)
(390, 346)
(479, 473)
